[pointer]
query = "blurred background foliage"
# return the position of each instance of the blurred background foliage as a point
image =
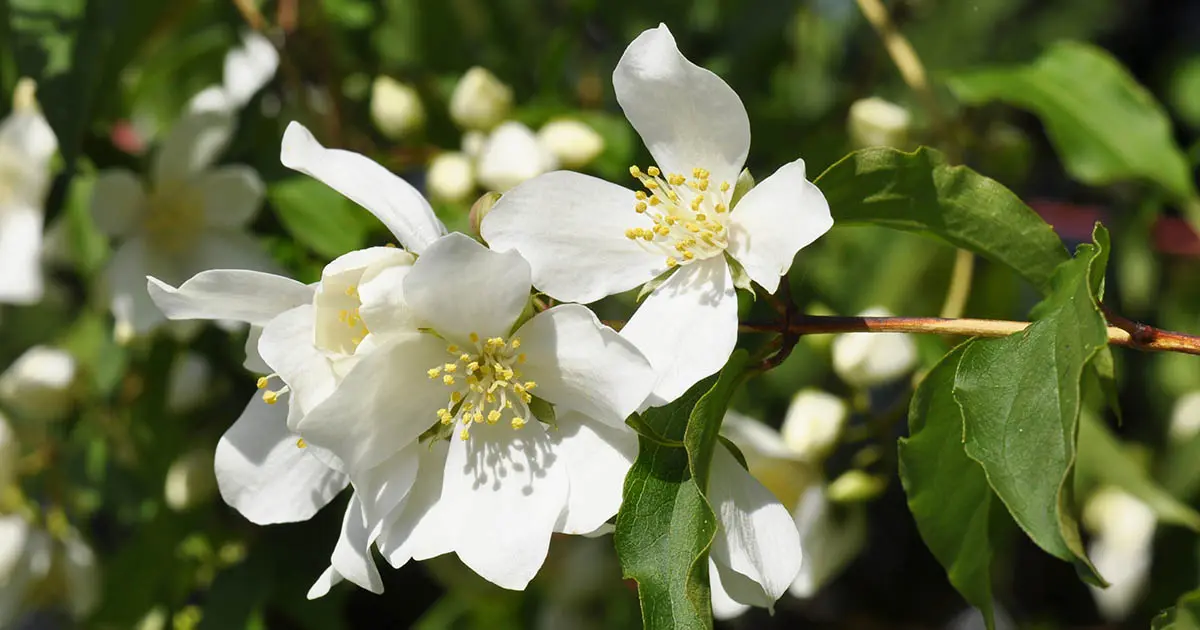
(115, 74)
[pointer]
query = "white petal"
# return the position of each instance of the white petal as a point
(597, 457)
(264, 474)
(328, 579)
(232, 195)
(687, 327)
(687, 116)
(571, 228)
(579, 363)
(383, 308)
(384, 402)
(724, 607)
(27, 133)
(20, 254)
(249, 67)
(352, 556)
(829, 544)
(340, 294)
(229, 249)
(509, 488)
(126, 278)
(246, 296)
(385, 486)
(511, 155)
(425, 526)
(750, 434)
(287, 346)
(461, 287)
(254, 361)
(757, 547)
(191, 146)
(391, 199)
(118, 202)
(212, 99)
(779, 216)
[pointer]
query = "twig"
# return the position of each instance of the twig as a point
(251, 14)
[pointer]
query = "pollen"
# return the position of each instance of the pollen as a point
(492, 384)
(300, 443)
(687, 220)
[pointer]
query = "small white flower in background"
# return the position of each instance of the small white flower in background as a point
(874, 122)
(1123, 529)
(10, 451)
(511, 155)
(814, 423)
(191, 217)
(26, 145)
(472, 143)
(38, 568)
(248, 68)
(450, 177)
(480, 101)
(38, 384)
(396, 107)
(502, 483)
(587, 238)
(1185, 418)
(190, 480)
(869, 359)
(572, 142)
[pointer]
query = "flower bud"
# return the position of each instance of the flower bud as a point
(869, 359)
(874, 122)
(480, 101)
(450, 177)
(38, 383)
(396, 107)
(1123, 537)
(813, 424)
(572, 142)
(472, 143)
(512, 155)
(10, 451)
(1185, 418)
(190, 480)
(856, 486)
(1118, 516)
(480, 209)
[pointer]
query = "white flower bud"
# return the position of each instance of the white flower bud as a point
(874, 122)
(512, 155)
(572, 142)
(472, 143)
(868, 359)
(1119, 517)
(396, 107)
(1185, 418)
(38, 383)
(450, 177)
(190, 480)
(480, 101)
(10, 451)
(856, 486)
(1123, 528)
(813, 424)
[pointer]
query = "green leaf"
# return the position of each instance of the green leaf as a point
(1021, 396)
(666, 525)
(918, 192)
(1184, 615)
(948, 492)
(1106, 127)
(317, 216)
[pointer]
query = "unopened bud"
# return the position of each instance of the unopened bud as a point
(38, 384)
(10, 451)
(572, 142)
(480, 209)
(480, 101)
(874, 122)
(1185, 418)
(450, 177)
(190, 480)
(512, 155)
(1119, 517)
(396, 107)
(814, 423)
(25, 95)
(856, 486)
(472, 143)
(869, 359)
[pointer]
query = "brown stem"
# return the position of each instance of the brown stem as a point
(251, 14)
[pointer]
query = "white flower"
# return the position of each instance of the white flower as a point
(451, 177)
(10, 451)
(38, 384)
(480, 101)
(190, 218)
(874, 122)
(869, 359)
(813, 424)
(248, 68)
(572, 142)
(26, 145)
(1123, 528)
(1185, 418)
(396, 107)
(502, 483)
(586, 238)
(512, 155)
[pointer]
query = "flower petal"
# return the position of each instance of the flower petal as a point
(287, 346)
(509, 488)
(254, 361)
(246, 296)
(581, 364)
(391, 199)
(597, 457)
(126, 279)
(778, 217)
(425, 525)
(191, 146)
(385, 486)
(27, 133)
(20, 254)
(687, 327)
(249, 67)
(750, 434)
(232, 195)
(571, 228)
(352, 557)
(118, 202)
(757, 547)
(384, 402)
(830, 543)
(229, 249)
(687, 116)
(460, 287)
(724, 607)
(383, 308)
(264, 474)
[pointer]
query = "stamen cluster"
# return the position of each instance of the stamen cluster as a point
(690, 220)
(486, 382)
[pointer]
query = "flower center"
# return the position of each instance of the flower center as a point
(343, 334)
(690, 220)
(485, 382)
(174, 218)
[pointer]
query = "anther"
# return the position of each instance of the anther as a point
(653, 171)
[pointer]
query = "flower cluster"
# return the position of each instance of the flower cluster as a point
(471, 417)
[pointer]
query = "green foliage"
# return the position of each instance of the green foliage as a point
(1184, 615)
(318, 217)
